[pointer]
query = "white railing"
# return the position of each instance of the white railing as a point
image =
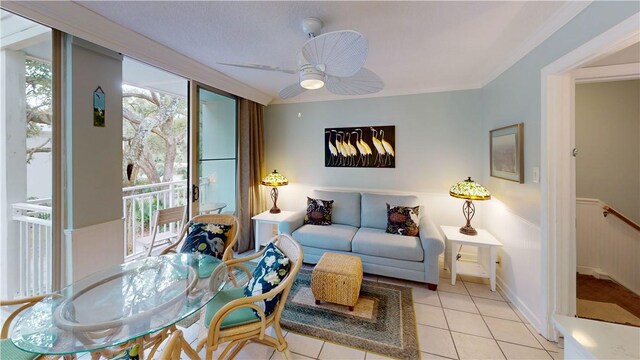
(138, 206)
(35, 235)
(35, 246)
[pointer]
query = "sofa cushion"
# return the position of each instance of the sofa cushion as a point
(378, 242)
(403, 220)
(334, 237)
(318, 212)
(374, 208)
(346, 206)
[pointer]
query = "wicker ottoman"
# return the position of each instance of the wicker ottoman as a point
(337, 279)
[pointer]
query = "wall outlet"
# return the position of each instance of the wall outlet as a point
(536, 174)
(499, 260)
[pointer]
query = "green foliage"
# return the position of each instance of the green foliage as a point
(141, 210)
(38, 94)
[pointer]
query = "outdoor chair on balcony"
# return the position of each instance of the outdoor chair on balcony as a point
(165, 227)
(7, 349)
(244, 313)
(224, 220)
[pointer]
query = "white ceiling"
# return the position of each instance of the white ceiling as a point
(414, 47)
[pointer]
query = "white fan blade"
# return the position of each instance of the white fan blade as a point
(342, 53)
(363, 82)
(291, 91)
(261, 67)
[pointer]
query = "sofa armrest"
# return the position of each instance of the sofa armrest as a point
(433, 245)
(290, 224)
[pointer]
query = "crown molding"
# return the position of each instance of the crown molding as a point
(561, 17)
(384, 93)
(76, 20)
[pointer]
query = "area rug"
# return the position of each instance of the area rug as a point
(606, 312)
(383, 320)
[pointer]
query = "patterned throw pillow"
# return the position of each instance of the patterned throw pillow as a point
(403, 220)
(208, 239)
(271, 270)
(318, 212)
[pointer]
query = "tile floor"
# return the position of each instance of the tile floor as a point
(465, 321)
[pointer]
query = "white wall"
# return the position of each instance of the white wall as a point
(93, 157)
(608, 138)
(13, 173)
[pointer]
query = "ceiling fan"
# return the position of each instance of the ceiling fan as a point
(334, 59)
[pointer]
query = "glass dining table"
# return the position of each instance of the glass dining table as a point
(136, 302)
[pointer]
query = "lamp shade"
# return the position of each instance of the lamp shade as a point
(275, 179)
(469, 190)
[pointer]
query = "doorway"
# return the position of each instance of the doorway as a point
(558, 211)
(607, 117)
(30, 215)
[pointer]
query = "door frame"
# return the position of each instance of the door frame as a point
(558, 199)
(194, 139)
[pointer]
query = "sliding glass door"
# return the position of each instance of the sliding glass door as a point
(213, 151)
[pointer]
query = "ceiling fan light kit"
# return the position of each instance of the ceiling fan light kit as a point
(311, 78)
(334, 59)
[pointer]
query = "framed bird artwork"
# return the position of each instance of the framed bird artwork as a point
(362, 146)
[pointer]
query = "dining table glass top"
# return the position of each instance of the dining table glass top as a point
(119, 304)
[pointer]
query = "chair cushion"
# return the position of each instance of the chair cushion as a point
(403, 220)
(208, 239)
(374, 208)
(334, 237)
(237, 317)
(131, 353)
(346, 206)
(376, 242)
(9, 351)
(318, 212)
(272, 268)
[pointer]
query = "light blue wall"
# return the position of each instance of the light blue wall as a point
(437, 140)
(515, 97)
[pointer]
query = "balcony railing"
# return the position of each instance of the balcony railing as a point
(35, 247)
(138, 206)
(34, 219)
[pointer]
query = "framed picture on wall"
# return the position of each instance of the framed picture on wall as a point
(506, 152)
(368, 146)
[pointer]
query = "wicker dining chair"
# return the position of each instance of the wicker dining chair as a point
(221, 219)
(231, 317)
(7, 349)
(173, 349)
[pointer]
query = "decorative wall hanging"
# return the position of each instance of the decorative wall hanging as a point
(363, 146)
(507, 154)
(98, 107)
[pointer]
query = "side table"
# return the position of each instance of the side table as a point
(264, 226)
(487, 246)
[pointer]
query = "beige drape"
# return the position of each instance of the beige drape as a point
(251, 169)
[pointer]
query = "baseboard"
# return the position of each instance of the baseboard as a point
(595, 272)
(520, 305)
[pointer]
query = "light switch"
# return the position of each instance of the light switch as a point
(536, 174)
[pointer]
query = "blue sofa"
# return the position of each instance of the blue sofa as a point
(359, 222)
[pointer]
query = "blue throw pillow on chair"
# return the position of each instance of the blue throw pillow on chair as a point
(271, 270)
(208, 239)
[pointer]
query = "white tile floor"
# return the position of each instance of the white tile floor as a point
(465, 321)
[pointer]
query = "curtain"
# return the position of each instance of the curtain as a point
(251, 169)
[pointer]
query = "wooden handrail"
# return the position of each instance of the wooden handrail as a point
(609, 210)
